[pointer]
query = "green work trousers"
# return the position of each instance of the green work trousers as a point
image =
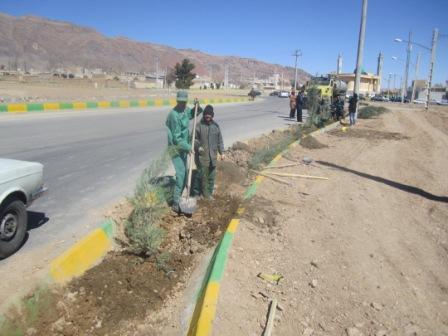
(204, 182)
(180, 165)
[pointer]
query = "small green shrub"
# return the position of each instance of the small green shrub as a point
(150, 205)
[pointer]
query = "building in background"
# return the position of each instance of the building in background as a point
(369, 83)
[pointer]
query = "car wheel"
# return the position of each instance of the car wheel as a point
(13, 224)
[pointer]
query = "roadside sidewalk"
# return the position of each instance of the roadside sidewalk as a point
(363, 253)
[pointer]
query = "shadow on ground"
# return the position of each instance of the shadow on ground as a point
(36, 220)
(400, 186)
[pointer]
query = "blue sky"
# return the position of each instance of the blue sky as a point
(266, 30)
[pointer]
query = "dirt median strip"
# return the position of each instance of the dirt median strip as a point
(204, 314)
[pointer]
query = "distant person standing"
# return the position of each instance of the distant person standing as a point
(252, 94)
(339, 108)
(299, 106)
(292, 105)
(352, 105)
(208, 144)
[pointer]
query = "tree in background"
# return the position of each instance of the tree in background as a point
(184, 74)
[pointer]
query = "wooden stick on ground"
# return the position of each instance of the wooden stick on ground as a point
(299, 175)
(276, 179)
(283, 166)
(271, 316)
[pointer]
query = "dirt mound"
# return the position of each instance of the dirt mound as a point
(364, 133)
(229, 173)
(311, 143)
(239, 157)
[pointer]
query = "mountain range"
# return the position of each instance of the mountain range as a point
(41, 44)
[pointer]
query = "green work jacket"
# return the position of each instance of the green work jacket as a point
(177, 124)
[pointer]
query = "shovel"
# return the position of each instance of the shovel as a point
(187, 204)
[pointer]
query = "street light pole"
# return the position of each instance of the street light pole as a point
(417, 65)
(395, 83)
(406, 71)
(431, 66)
(388, 85)
(362, 34)
(297, 53)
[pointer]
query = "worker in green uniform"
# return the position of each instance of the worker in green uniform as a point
(179, 143)
(208, 144)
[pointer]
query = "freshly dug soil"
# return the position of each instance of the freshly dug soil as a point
(123, 287)
(311, 143)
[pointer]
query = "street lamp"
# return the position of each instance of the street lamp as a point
(431, 64)
(406, 69)
(388, 84)
(403, 86)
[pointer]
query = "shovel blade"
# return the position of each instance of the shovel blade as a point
(187, 205)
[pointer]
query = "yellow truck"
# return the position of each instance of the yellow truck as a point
(320, 96)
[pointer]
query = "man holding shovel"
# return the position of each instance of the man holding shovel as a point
(208, 144)
(179, 145)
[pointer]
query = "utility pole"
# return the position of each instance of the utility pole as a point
(395, 81)
(339, 65)
(165, 82)
(379, 71)
(401, 83)
(157, 71)
(435, 35)
(282, 81)
(388, 84)
(362, 35)
(406, 70)
(417, 65)
(297, 53)
(226, 76)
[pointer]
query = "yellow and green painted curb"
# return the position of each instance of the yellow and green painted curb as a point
(84, 254)
(86, 105)
(204, 313)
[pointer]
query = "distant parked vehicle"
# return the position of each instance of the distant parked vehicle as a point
(377, 98)
(283, 94)
(274, 93)
(20, 184)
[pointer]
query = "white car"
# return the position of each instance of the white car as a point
(20, 184)
(283, 94)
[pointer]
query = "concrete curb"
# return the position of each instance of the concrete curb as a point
(84, 254)
(83, 105)
(204, 313)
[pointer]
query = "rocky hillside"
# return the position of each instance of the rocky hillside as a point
(41, 44)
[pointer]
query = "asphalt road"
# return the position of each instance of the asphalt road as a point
(92, 159)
